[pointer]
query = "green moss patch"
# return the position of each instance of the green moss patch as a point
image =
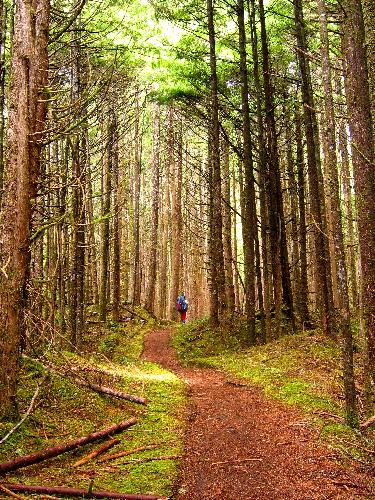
(66, 411)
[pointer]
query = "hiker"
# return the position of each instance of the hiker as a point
(182, 307)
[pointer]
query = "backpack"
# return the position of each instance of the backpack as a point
(181, 304)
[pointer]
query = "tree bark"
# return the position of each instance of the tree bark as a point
(116, 272)
(216, 257)
(177, 260)
(152, 268)
(249, 215)
(27, 112)
(369, 16)
(358, 100)
(227, 232)
(136, 296)
(262, 180)
(303, 287)
(3, 32)
(107, 172)
(323, 276)
(336, 217)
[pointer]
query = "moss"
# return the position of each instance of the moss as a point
(66, 411)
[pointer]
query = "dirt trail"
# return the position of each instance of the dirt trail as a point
(242, 446)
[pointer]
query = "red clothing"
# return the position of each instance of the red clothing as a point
(183, 315)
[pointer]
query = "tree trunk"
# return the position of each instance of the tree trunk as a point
(303, 287)
(177, 260)
(235, 247)
(151, 289)
(79, 151)
(276, 214)
(116, 273)
(216, 257)
(347, 186)
(249, 214)
(293, 198)
(323, 276)
(107, 169)
(227, 232)
(27, 111)
(3, 32)
(358, 100)
(136, 298)
(369, 16)
(262, 179)
(336, 217)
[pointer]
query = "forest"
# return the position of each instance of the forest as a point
(224, 149)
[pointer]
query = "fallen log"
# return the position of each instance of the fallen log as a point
(54, 451)
(76, 492)
(368, 423)
(128, 452)
(112, 392)
(101, 389)
(96, 452)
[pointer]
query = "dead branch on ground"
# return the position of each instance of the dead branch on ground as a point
(368, 423)
(101, 389)
(54, 451)
(97, 452)
(128, 452)
(75, 492)
(28, 412)
(150, 459)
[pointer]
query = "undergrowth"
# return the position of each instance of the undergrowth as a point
(302, 371)
(65, 411)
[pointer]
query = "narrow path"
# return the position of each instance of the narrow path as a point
(242, 446)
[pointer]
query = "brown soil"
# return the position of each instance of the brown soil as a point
(240, 445)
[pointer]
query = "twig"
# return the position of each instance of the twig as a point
(151, 459)
(128, 452)
(81, 493)
(357, 446)
(14, 495)
(368, 423)
(96, 452)
(239, 460)
(28, 412)
(331, 415)
(346, 483)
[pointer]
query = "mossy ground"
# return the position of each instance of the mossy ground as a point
(65, 411)
(303, 371)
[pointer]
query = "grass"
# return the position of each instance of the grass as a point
(66, 411)
(302, 371)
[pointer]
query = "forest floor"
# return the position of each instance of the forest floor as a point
(241, 444)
